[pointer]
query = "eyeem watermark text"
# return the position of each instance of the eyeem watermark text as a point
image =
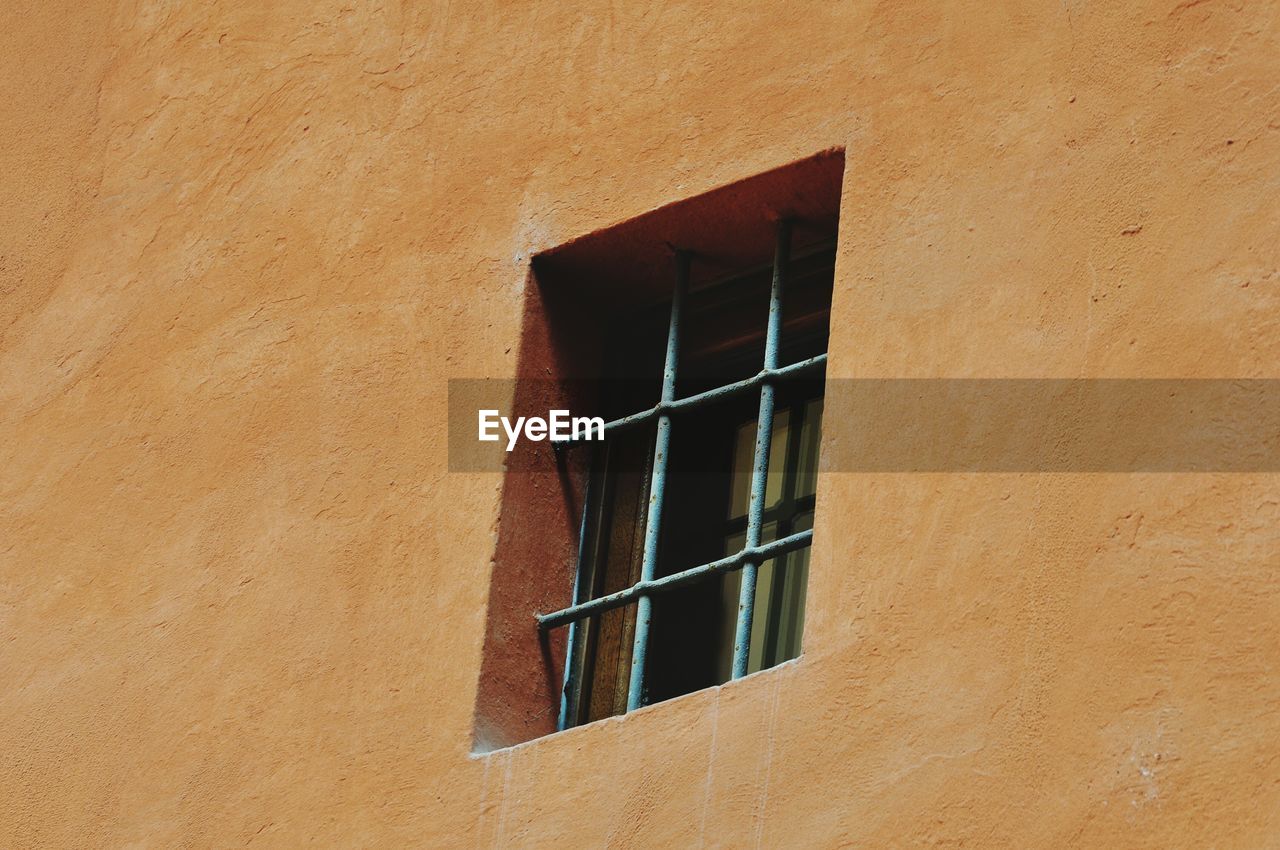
(559, 425)
(903, 425)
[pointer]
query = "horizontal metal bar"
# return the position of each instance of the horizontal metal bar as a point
(782, 373)
(756, 555)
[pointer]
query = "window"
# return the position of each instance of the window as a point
(698, 511)
(583, 571)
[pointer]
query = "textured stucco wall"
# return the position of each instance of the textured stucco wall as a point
(244, 245)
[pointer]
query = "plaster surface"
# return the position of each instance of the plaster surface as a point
(244, 246)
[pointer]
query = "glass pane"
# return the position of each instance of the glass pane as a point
(795, 579)
(740, 482)
(777, 460)
(744, 450)
(810, 436)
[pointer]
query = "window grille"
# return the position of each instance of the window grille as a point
(753, 553)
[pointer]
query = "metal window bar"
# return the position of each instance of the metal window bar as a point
(657, 488)
(753, 553)
(600, 604)
(701, 399)
(760, 466)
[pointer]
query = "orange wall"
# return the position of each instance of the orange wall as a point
(244, 245)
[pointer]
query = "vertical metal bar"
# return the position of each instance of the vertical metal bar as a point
(657, 488)
(760, 464)
(586, 539)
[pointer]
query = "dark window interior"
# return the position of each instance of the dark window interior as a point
(704, 519)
